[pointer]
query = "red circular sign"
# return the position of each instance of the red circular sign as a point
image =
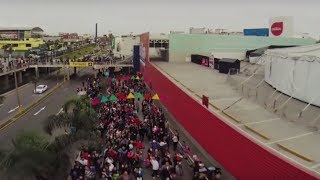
(277, 28)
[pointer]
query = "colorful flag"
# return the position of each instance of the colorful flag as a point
(95, 101)
(104, 99)
(121, 96)
(155, 97)
(147, 96)
(113, 98)
(130, 96)
(138, 95)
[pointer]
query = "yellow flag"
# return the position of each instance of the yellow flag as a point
(155, 97)
(130, 96)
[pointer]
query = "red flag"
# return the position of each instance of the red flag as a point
(147, 96)
(121, 96)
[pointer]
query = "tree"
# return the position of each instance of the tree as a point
(77, 115)
(33, 157)
(80, 118)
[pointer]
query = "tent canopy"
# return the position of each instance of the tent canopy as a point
(261, 51)
(309, 53)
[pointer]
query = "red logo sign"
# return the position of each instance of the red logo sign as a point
(277, 28)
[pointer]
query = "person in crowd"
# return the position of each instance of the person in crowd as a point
(126, 153)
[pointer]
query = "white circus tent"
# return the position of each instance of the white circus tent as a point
(295, 72)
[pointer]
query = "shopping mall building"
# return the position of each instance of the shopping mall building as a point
(21, 38)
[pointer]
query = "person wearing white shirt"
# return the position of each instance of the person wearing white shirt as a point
(155, 167)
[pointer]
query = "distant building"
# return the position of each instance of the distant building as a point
(193, 30)
(20, 33)
(177, 32)
(21, 38)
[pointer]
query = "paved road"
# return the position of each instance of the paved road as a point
(33, 120)
(10, 106)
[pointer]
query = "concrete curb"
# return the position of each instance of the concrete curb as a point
(256, 132)
(231, 117)
(214, 106)
(294, 152)
(30, 107)
(13, 90)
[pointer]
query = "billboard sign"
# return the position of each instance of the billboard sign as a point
(281, 27)
(277, 28)
(80, 64)
(10, 35)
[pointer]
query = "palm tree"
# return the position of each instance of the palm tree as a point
(79, 117)
(33, 157)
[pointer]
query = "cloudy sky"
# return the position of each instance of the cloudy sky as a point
(156, 16)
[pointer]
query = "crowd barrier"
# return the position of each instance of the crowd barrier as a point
(235, 151)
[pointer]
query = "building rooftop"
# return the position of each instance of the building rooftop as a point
(20, 29)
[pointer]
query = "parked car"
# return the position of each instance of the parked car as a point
(40, 89)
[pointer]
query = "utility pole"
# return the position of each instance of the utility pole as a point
(15, 80)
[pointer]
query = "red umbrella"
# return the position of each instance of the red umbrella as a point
(147, 96)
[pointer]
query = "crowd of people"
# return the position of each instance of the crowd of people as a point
(136, 139)
(6, 65)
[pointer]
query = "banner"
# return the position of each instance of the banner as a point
(136, 58)
(9, 35)
(144, 48)
(80, 64)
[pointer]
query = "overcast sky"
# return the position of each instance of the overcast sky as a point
(156, 16)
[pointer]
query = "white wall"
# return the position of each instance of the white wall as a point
(125, 45)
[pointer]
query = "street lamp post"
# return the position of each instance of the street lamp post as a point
(16, 82)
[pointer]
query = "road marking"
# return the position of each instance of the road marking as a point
(258, 122)
(293, 137)
(60, 111)
(13, 109)
(246, 108)
(315, 166)
(40, 110)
